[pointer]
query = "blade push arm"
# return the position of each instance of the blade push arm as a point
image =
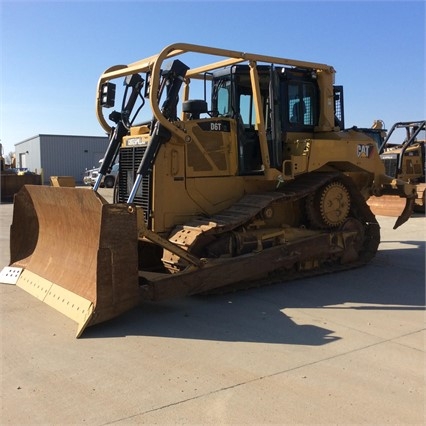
(135, 83)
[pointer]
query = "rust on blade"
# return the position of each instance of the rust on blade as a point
(393, 206)
(387, 205)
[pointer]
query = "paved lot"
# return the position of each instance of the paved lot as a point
(347, 348)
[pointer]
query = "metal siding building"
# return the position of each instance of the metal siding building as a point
(60, 155)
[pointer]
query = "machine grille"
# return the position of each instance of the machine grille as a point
(390, 166)
(130, 158)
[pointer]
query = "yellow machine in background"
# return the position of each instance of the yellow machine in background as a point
(404, 161)
(241, 170)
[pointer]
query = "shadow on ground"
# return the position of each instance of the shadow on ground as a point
(394, 280)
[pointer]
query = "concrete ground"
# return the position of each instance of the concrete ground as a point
(347, 348)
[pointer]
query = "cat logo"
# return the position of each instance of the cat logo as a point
(364, 151)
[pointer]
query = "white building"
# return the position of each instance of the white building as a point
(60, 155)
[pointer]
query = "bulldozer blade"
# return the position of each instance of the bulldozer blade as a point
(78, 253)
(394, 206)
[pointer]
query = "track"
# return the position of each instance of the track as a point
(199, 233)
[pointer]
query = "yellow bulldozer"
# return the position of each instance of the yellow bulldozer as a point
(403, 152)
(233, 170)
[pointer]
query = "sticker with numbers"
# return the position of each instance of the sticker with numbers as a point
(215, 126)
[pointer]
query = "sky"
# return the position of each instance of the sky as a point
(52, 53)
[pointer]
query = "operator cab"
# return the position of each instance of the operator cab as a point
(289, 103)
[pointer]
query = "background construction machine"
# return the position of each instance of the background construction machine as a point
(13, 179)
(405, 161)
(252, 176)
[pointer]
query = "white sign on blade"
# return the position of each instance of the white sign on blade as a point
(10, 275)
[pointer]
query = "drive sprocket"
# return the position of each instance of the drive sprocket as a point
(329, 206)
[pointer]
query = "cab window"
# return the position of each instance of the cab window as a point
(247, 110)
(301, 104)
(301, 109)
